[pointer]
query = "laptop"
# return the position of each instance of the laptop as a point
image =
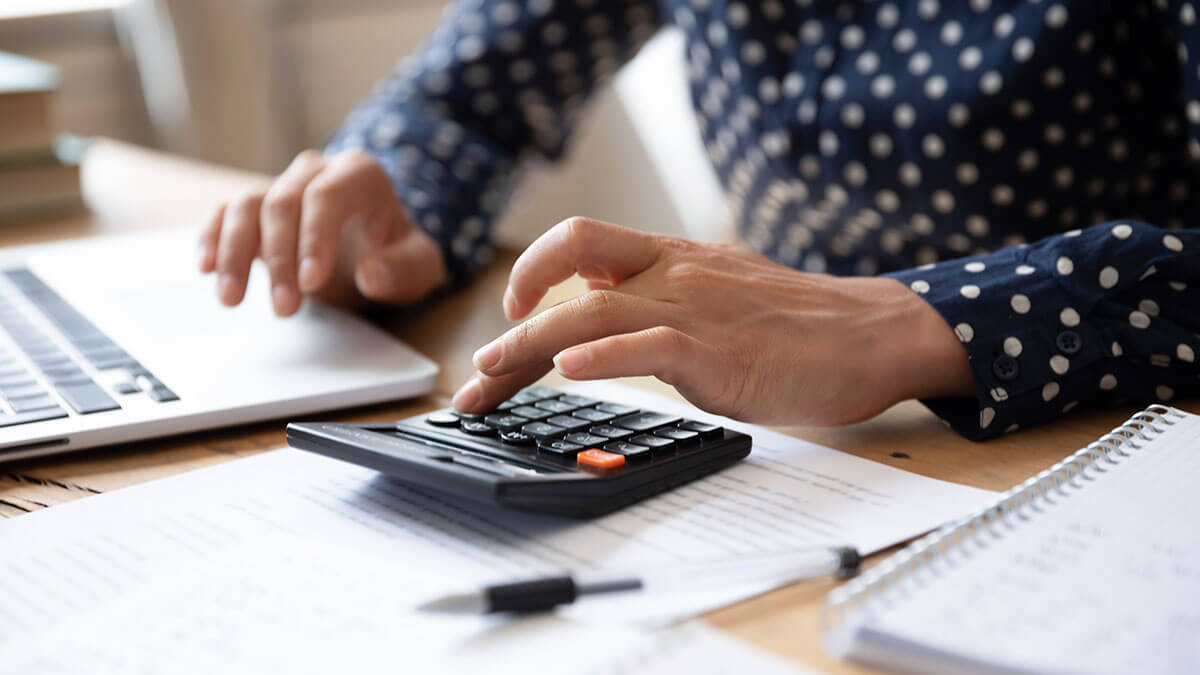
(118, 338)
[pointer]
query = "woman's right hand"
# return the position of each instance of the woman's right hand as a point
(329, 227)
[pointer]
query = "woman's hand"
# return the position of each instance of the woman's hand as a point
(733, 332)
(330, 227)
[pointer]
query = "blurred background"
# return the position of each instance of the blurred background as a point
(249, 83)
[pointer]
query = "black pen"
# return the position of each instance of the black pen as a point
(535, 595)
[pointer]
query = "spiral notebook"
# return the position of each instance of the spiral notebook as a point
(1091, 566)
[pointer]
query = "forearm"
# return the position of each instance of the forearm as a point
(496, 82)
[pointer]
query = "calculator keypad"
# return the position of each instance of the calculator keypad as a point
(560, 448)
(517, 438)
(505, 422)
(586, 439)
(592, 415)
(594, 435)
(644, 421)
(631, 451)
(531, 413)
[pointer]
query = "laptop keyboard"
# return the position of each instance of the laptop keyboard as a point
(50, 382)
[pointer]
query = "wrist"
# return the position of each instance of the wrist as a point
(925, 357)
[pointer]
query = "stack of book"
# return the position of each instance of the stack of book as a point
(34, 181)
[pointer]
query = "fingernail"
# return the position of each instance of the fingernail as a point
(487, 356)
(227, 289)
(509, 304)
(467, 397)
(284, 299)
(572, 360)
(308, 275)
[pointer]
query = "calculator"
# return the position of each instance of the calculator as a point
(542, 450)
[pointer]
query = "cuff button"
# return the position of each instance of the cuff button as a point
(1006, 368)
(1069, 342)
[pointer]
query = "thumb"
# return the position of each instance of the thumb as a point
(402, 272)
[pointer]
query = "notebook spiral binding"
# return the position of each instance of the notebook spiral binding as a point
(841, 602)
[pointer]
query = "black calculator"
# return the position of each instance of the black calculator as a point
(542, 450)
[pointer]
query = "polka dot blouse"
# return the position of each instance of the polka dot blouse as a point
(1030, 168)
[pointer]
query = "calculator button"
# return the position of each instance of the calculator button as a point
(569, 423)
(531, 412)
(680, 436)
(442, 419)
(541, 392)
(705, 429)
(505, 422)
(593, 415)
(468, 417)
(616, 408)
(578, 401)
(656, 443)
(644, 421)
(543, 431)
(600, 459)
(516, 438)
(477, 429)
(554, 406)
(586, 440)
(560, 448)
(632, 451)
(507, 405)
(610, 432)
(523, 397)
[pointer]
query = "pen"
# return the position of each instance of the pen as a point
(544, 593)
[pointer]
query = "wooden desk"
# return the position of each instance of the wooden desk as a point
(130, 188)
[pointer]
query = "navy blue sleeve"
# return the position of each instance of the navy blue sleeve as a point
(497, 81)
(1079, 319)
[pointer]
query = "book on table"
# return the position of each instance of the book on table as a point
(34, 180)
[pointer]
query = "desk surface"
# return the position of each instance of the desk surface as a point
(117, 180)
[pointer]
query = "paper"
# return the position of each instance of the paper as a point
(1104, 579)
(297, 553)
(694, 648)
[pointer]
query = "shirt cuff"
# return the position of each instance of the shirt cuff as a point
(1024, 337)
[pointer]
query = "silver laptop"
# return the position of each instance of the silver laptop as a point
(118, 338)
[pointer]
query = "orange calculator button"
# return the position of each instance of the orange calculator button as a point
(600, 459)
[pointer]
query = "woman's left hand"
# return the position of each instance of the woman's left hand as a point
(735, 333)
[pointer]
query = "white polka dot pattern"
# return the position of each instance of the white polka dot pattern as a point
(1014, 151)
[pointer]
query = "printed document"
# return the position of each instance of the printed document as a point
(294, 561)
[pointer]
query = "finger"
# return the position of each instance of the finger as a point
(352, 187)
(280, 219)
(590, 316)
(590, 248)
(209, 236)
(482, 392)
(663, 352)
(237, 247)
(403, 272)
